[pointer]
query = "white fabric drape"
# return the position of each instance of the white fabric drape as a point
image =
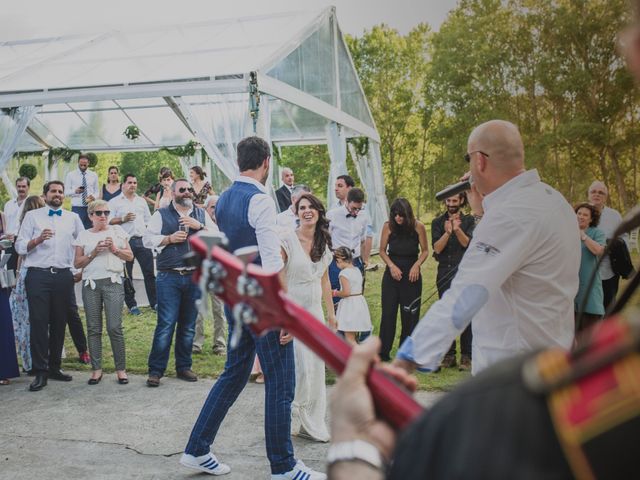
(264, 131)
(369, 168)
(12, 127)
(337, 146)
(219, 124)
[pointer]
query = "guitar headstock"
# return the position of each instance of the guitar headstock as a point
(253, 295)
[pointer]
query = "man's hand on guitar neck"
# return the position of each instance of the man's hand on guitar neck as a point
(352, 411)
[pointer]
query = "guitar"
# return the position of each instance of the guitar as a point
(258, 301)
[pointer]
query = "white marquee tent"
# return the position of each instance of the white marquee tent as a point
(287, 77)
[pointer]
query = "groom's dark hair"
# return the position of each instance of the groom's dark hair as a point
(252, 152)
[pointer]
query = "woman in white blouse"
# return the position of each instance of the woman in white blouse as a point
(101, 252)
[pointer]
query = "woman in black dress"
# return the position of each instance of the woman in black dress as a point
(403, 248)
(113, 187)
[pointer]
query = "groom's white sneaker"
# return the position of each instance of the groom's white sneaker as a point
(299, 472)
(206, 463)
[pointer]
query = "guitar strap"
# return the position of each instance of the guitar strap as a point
(597, 416)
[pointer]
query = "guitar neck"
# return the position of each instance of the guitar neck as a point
(393, 403)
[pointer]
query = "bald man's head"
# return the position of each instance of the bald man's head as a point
(502, 142)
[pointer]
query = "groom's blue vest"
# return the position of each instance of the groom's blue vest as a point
(232, 213)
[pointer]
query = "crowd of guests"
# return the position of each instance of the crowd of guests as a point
(324, 254)
(117, 228)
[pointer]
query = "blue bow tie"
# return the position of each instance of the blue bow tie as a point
(55, 212)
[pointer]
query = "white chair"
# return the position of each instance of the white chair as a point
(633, 241)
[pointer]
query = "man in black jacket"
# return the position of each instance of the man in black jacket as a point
(283, 194)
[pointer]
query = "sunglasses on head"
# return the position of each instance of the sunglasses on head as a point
(100, 213)
(184, 189)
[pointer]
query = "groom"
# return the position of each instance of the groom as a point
(247, 216)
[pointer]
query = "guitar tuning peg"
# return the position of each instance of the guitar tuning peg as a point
(247, 254)
(213, 239)
(243, 314)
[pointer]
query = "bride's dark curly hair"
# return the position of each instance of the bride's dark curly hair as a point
(321, 236)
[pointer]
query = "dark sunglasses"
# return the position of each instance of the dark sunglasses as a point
(467, 156)
(184, 189)
(99, 213)
(398, 214)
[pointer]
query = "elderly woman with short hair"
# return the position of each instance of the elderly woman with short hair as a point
(101, 252)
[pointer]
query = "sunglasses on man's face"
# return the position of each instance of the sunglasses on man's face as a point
(100, 213)
(467, 156)
(184, 189)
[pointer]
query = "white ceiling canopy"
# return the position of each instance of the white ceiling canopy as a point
(91, 87)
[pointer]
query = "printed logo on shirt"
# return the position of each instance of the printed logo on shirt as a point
(488, 249)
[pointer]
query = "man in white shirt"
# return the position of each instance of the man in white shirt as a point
(283, 194)
(519, 275)
(168, 233)
(131, 212)
(12, 212)
(288, 220)
(82, 186)
(348, 228)
(46, 241)
(609, 221)
(343, 184)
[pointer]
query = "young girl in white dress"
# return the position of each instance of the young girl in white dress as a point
(353, 312)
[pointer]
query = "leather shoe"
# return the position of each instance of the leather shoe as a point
(59, 375)
(187, 375)
(95, 381)
(38, 383)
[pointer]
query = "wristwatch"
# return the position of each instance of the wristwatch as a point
(356, 450)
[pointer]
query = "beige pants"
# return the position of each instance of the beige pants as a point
(219, 326)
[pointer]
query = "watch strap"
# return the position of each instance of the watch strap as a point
(355, 450)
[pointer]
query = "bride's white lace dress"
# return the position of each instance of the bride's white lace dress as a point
(304, 287)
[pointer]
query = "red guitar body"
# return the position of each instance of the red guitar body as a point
(274, 310)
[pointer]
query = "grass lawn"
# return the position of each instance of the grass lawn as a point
(138, 332)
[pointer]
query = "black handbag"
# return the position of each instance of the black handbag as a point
(620, 258)
(127, 283)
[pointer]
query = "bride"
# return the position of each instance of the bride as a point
(306, 254)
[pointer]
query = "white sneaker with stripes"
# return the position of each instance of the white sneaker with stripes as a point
(205, 463)
(299, 472)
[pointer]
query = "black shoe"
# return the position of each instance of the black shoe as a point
(59, 375)
(38, 383)
(95, 381)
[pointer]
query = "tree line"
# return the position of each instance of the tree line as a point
(550, 67)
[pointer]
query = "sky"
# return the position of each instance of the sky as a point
(44, 18)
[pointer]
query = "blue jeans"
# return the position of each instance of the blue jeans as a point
(145, 259)
(177, 295)
(277, 363)
(84, 216)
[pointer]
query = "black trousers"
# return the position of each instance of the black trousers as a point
(76, 329)
(443, 282)
(50, 296)
(145, 259)
(610, 290)
(403, 294)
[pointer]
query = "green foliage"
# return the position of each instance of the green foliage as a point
(391, 69)
(551, 68)
(310, 165)
(93, 159)
(131, 132)
(188, 150)
(28, 170)
(146, 166)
